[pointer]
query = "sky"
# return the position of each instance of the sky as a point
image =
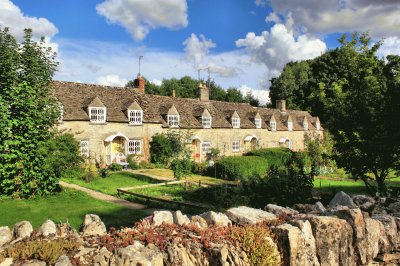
(244, 43)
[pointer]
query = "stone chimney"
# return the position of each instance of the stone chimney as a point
(204, 93)
(173, 93)
(139, 83)
(281, 105)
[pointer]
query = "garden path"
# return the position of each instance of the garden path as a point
(109, 198)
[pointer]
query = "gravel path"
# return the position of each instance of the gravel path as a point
(108, 198)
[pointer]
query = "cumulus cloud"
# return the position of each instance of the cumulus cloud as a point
(279, 46)
(156, 82)
(261, 2)
(111, 80)
(138, 17)
(380, 18)
(390, 46)
(261, 95)
(12, 17)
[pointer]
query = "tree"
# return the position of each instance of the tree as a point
(356, 95)
(234, 95)
(28, 114)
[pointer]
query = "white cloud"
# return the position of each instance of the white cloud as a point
(390, 46)
(261, 95)
(279, 46)
(156, 82)
(197, 48)
(111, 80)
(273, 17)
(261, 2)
(138, 17)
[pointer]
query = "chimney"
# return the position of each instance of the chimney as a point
(139, 83)
(173, 93)
(281, 105)
(204, 93)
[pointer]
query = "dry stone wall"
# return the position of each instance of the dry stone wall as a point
(350, 231)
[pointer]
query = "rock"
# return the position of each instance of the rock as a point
(34, 263)
(103, 258)
(7, 262)
(333, 239)
(83, 251)
(199, 222)
(5, 235)
(394, 207)
(92, 226)
(137, 254)
(162, 217)
(247, 215)
(389, 223)
(306, 208)
(216, 218)
(341, 199)
(63, 261)
(223, 254)
(320, 207)
(366, 203)
(295, 244)
(65, 229)
(180, 219)
(22, 230)
(375, 237)
(48, 228)
(278, 210)
(179, 255)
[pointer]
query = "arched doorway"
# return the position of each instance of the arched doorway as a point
(254, 144)
(251, 143)
(196, 148)
(116, 148)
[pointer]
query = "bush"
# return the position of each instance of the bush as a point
(181, 168)
(115, 167)
(275, 156)
(146, 165)
(131, 160)
(167, 146)
(240, 167)
(199, 168)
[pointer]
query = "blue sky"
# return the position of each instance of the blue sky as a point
(244, 42)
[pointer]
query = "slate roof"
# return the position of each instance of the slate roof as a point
(76, 97)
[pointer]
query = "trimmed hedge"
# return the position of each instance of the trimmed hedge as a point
(241, 167)
(275, 156)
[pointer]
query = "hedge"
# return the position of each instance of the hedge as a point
(275, 156)
(241, 167)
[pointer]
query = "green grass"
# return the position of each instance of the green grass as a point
(69, 205)
(116, 180)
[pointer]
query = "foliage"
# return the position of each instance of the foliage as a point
(356, 95)
(44, 250)
(132, 161)
(146, 165)
(240, 167)
(181, 167)
(257, 242)
(319, 151)
(27, 114)
(199, 168)
(115, 167)
(89, 171)
(276, 157)
(103, 172)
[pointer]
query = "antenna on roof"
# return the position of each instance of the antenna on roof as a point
(209, 74)
(140, 58)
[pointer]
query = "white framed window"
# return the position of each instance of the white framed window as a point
(135, 117)
(206, 121)
(173, 120)
(236, 145)
(305, 126)
(134, 146)
(318, 126)
(84, 148)
(206, 147)
(257, 122)
(272, 124)
(97, 114)
(236, 122)
(290, 126)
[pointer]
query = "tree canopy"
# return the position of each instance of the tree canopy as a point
(357, 96)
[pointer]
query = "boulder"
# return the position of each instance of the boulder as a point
(320, 207)
(247, 215)
(138, 254)
(366, 203)
(63, 261)
(180, 219)
(103, 258)
(278, 210)
(7, 262)
(223, 254)
(375, 238)
(389, 223)
(297, 246)
(199, 221)
(180, 255)
(22, 230)
(65, 229)
(333, 239)
(394, 207)
(162, 217)
(5, 235)
(216, 218)
(92, 226)
(341, 199)
(33, 263)
(48, 228)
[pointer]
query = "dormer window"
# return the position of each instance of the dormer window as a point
(257, 122)
(272, 124)
(236, 122)
(206, 119)
(97, 114)
(135, 117)
(305, 126)
(290, 126)
(173, 120)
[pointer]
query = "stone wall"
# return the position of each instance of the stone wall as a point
(357, 230)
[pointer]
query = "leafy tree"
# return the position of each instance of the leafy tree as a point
(234, 95)
(249, 98)
(28, 113)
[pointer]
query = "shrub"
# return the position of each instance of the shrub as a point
(132, 161)
(199, 168)
(146, 165)
(275, 156)
(115, 167)
(240, 167)
(167, 146)
(181, 168)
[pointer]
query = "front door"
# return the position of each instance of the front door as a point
(116, 150)
(196, 150)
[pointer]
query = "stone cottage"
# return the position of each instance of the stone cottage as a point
(111, 123)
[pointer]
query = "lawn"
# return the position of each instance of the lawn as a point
(116, 180)
(68, 205)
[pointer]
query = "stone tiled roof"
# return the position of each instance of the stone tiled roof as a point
(76, 97)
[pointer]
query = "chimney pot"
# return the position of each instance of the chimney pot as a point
(140, 83)
(281, 105)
